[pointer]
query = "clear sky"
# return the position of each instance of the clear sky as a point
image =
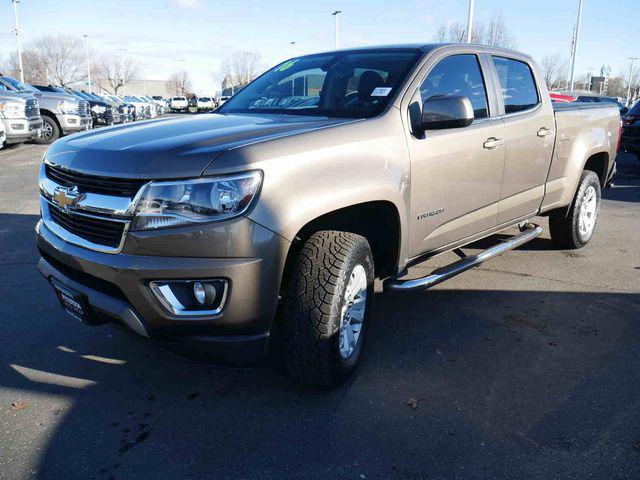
(195, 35)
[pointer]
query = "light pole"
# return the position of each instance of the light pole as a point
(335, 14)
(86, 37)
(470, 21)
(633, 59)
(16, 30)
(574, 47)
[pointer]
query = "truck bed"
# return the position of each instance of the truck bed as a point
(583, 132)
(567, 106)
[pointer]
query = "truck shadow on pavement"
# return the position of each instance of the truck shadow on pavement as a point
(505, 383)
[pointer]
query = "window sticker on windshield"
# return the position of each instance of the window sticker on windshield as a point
(286, 65)
(381, 91)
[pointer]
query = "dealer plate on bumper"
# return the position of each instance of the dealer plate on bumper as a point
(72, 302)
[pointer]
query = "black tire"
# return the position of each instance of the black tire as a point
(51, 126)
(307, 330)
(564, 223)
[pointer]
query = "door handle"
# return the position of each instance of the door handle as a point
(492, 142)
(544, 131)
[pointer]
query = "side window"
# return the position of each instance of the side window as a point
(458, 75)
(518, 86)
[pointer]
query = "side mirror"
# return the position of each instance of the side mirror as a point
(450, 111)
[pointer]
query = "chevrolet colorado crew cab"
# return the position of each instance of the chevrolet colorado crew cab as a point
(259, 229)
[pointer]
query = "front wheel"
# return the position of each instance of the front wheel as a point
(321, 329)
(573, 226)
(49, 133)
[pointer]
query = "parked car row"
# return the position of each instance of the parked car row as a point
(194, 104)
(44, 113)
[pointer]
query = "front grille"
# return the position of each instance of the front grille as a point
(83, 108)
(31, 109)
(93, 184)
(95, 230)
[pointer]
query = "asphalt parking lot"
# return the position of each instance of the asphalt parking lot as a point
(527, 367)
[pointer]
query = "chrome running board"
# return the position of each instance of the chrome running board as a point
(528, 233)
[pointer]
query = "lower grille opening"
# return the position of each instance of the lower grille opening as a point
(79, 276)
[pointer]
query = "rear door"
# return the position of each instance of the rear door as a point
(455, 173)
(529, 137)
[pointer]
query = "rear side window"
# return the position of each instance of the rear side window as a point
(518, 86)
(458, 75)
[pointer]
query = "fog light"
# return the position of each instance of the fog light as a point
(199, 294)
(191, 297)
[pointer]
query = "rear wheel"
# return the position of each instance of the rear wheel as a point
(50, 131)
(573, 226)
(323, 321)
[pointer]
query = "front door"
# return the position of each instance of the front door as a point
(456, 173)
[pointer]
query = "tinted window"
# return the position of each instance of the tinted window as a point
(18, 85)
(587, 99)
(518, 87)
(356, 84)
(458, 75)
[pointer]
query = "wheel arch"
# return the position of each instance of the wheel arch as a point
(377, 221)
(48, 113)
(599, 164)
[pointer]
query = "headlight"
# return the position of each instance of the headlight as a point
(12, 110)
(99, 108)
(172, 204)
(68, 107)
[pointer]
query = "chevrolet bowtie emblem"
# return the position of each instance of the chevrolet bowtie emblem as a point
(67, 197)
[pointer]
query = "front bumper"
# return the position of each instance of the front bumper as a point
(117, 286)
(104, 118)
(74, 123)
(21, 129)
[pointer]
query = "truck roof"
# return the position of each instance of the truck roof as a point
(427, 47)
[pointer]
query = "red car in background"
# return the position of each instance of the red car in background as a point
(561, 97)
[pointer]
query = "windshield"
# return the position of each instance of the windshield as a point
(18, 85)
(354, 84)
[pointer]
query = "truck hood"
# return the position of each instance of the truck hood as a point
(14, 97)
(172, 147)
(53, 96)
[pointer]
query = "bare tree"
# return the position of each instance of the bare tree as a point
(114, 71)
(58, 59)
(180, 83)
(453, 32)
(63, 58)
(495, 33)
(35, 70)
(554, 68)
(239, 69)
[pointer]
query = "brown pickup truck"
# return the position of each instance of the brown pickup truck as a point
(259, 229)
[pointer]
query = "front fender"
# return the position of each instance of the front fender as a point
(313, 173)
